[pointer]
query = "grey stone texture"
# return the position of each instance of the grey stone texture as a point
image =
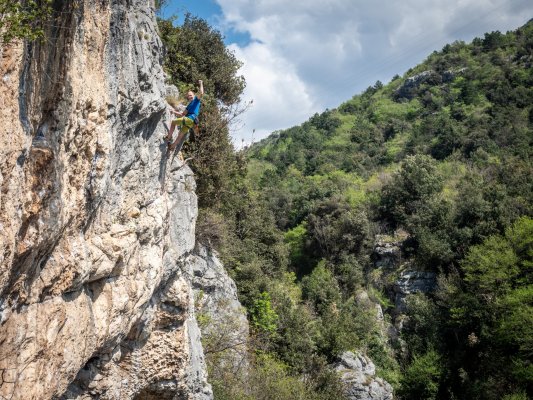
(358, 374)
(96, 225)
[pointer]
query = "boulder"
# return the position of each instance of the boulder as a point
(358, 374)
(412, 281)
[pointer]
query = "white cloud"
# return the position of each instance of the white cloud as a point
(279, 96)
(306, 56)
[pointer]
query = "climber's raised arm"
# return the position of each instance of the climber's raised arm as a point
(201, 91)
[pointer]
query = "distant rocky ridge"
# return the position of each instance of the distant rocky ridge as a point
(402, 280)
(399, 278)
(409, 88)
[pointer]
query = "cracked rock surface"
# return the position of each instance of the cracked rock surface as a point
(96, 221)
(358, 374)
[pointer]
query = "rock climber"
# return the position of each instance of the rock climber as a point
(186, 119)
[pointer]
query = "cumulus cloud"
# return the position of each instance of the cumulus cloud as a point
(304, 57)
(279, 96)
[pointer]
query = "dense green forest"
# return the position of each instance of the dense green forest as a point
(437, 161)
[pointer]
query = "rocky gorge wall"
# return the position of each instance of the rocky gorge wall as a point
(96, 223)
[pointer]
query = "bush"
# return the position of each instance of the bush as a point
(411, 187)
(273, 381)
(424, 326)
(262, 316)
(211, 229)
(325, 122)
(321, 289)
(23, 19)
(196, 51)
(335, 228)
(493, 313)
(422, 377)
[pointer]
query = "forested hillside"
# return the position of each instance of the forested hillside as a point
(437, 162)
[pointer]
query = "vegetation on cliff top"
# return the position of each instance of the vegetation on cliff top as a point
(196, 51)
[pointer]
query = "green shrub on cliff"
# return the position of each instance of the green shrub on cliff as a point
(493, 315)
(196, 51)
(22, 19)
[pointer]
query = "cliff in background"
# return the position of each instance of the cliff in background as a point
(96, 223)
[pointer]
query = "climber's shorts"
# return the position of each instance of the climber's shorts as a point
(184, 121)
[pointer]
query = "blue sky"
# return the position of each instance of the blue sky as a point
(209, 10)
(303, 56)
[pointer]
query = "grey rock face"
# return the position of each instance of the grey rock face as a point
(358, 374)
(387, 254)
(413, 282)
(172, 91)
(96, 222)
(196, 371)
(160, 358)
(224, 321)
(411, 84)
(450, 75)
(408, 89)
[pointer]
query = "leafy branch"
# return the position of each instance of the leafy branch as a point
(23, 19)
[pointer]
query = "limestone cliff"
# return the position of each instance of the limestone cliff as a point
(222, 318)
(95, 221)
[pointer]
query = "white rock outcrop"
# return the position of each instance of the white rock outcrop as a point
(358, 374)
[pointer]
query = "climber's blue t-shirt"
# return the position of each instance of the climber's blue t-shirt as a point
(193, 108)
